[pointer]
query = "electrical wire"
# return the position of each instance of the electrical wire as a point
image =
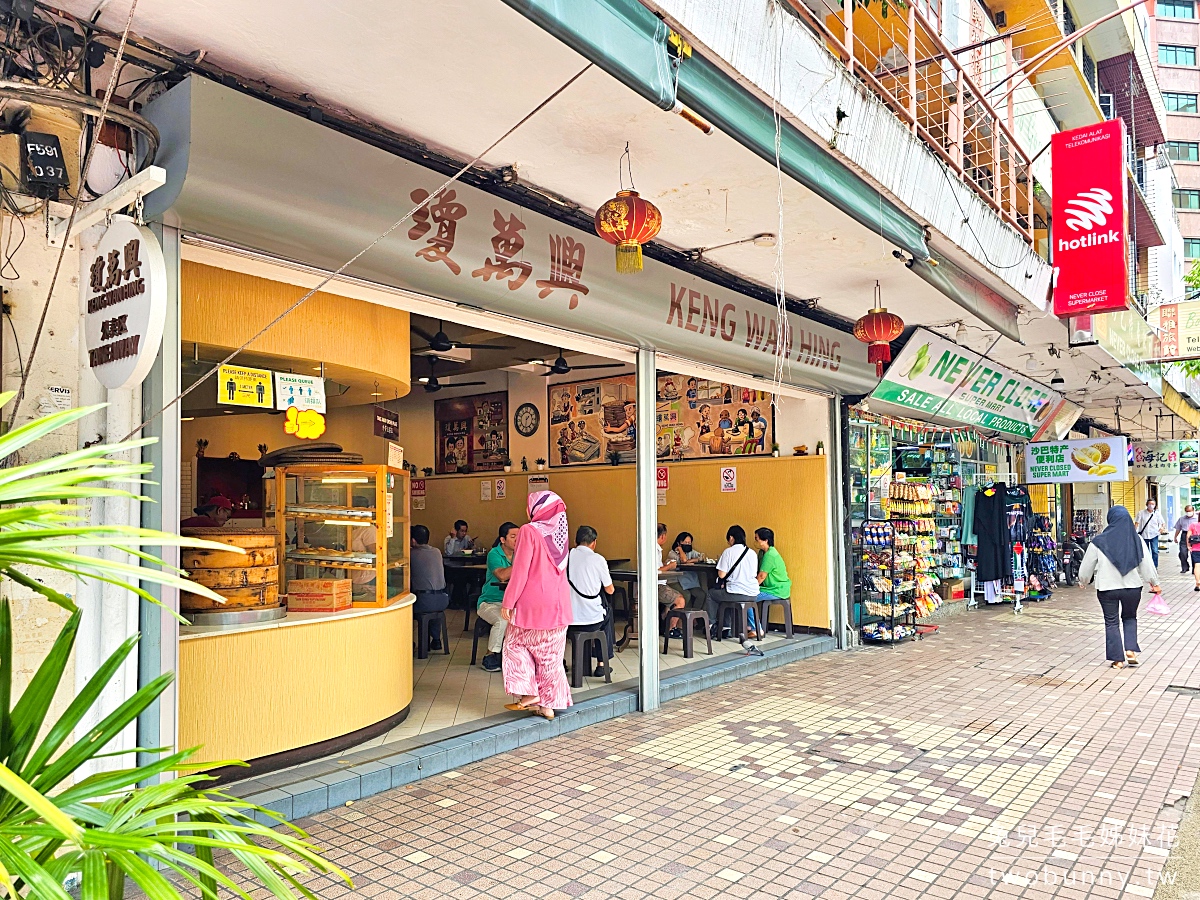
(16, 340)
(87, 165)
(371, 246)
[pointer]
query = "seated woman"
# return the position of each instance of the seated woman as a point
(773, 581)
(686, 583)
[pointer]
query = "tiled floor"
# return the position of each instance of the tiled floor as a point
(998, 758)
(448, 690)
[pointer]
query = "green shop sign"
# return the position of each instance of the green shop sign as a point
(935, 379)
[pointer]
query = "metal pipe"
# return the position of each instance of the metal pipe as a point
(88, 106)
(649, 557)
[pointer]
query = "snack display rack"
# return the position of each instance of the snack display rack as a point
(911, 510)
(344, 523)
(886, 613)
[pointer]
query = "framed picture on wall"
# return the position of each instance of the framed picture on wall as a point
(697, 418)
(471, 433)
(592, 420)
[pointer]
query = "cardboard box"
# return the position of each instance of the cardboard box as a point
(952, 589)
(318, 594)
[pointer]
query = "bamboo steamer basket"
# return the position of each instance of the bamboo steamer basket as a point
(248, 582)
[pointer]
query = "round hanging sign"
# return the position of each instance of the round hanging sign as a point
(526, 419)
(123, 294)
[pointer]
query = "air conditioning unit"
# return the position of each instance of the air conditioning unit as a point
(1107, 107)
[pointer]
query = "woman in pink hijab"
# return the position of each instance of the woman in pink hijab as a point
(537, 605)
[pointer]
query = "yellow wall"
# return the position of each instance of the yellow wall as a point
(361, 343)
(248, 694)
(789, 495)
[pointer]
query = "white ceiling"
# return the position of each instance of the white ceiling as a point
(458, 73)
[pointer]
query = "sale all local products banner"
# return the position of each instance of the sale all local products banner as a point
(1091, 268)
(934, 378)
(1072, 462)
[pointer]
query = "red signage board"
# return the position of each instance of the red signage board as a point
(663, 476)
(1091, 268)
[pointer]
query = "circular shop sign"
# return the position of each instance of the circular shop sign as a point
(123, 293)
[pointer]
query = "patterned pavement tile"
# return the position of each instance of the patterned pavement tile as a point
(997, 758)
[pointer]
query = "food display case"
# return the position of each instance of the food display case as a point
(343, 535)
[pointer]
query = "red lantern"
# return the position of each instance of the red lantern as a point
(628, 221)
(878, 328)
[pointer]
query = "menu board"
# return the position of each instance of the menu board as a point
(471, 433)
(696, 418)
(592, 420)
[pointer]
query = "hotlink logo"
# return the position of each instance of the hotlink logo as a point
(1089, 208)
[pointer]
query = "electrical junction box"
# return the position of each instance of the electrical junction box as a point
(43, 167)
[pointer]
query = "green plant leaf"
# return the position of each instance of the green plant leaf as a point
(21, 790)
(30, 711)
(94, 877)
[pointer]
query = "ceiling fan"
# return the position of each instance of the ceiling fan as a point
(441, 343)
(432, 385)
(560, 367)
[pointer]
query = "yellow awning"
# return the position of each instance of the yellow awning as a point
(1173, 400)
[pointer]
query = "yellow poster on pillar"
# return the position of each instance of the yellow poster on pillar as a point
(240, 386)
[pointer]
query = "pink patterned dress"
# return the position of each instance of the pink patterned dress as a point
(539, 597)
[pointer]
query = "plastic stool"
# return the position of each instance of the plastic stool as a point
(742, 619)
(482, 629)
(580, 658)
(786, 603)
(424, 620)
(687, 619)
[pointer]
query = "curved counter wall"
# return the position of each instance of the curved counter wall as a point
(278, 693)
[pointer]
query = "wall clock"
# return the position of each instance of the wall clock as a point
(526, 419)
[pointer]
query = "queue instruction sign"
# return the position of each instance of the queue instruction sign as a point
(123, 295)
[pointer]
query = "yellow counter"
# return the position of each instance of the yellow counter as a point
(250, 691)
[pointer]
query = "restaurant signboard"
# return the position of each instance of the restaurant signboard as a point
(934, 378)
(1164, 458)
(1091, 263)
(123, 298)
(1089, 460)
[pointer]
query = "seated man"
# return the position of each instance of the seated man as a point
(458, 540)
(499, 570)
(738, 566)
(587, 575)
(667, 595)
(427, 578)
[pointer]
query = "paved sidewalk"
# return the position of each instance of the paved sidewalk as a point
(1000, 758)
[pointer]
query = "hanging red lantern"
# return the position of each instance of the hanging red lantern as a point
(878, 328)
(628, 221)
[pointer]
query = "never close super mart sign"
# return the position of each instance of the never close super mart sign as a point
(938, 379)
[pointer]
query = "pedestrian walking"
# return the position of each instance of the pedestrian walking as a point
(1121, 563)
(1182, 527)
(537, 606)
(1150, 524)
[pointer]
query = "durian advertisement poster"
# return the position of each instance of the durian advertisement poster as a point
(1072, 462)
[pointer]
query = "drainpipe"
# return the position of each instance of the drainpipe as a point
(110, 612)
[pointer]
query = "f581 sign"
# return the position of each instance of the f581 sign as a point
(1091, 270)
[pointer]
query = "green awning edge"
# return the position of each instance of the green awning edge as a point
(629, 42)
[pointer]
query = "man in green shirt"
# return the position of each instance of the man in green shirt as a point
(499, 569)
(773, 581)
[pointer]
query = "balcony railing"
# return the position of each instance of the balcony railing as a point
(896, 50)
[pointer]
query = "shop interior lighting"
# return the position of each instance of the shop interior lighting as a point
(960, 333)
(344, 522)
(1057, 380)
(345, 479)
(764, 239)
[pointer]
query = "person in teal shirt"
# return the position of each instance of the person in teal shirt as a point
(499, 568)
(773, 581)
